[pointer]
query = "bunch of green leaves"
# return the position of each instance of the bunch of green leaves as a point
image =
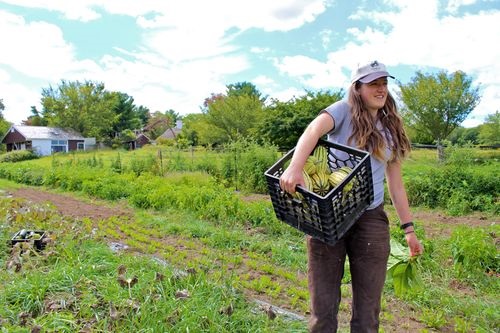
(402, 270)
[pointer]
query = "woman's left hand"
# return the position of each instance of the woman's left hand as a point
(414, 244)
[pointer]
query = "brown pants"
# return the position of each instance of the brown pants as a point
(367, 244)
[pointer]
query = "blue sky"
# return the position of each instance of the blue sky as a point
(173, 54)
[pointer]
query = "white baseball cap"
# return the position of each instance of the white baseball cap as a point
(370, 72)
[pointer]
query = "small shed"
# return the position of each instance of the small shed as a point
(142, 140)
(43, 140)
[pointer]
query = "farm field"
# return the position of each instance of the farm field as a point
(115, 266)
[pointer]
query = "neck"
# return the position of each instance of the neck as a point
(373, 113)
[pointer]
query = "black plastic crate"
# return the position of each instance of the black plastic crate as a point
(327, 217)
(35, 236)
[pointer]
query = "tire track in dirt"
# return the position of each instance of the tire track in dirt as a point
(69, 206)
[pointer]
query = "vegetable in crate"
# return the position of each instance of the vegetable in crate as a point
(337, 176)
(320, 183)
(318, 176)
(320, 153)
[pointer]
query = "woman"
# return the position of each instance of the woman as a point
(368, 120)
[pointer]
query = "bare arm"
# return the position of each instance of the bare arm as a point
(400, 201)
(292, 176)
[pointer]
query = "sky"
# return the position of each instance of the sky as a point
(173, 54)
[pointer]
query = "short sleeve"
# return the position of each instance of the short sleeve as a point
(339, 112)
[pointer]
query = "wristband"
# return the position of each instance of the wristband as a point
(406, 225)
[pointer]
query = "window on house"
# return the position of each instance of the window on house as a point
(59, 146)
(80, 146)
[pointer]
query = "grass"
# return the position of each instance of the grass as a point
(73, 285)
(79, 274)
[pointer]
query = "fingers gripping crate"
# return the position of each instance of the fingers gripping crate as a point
(327, 217)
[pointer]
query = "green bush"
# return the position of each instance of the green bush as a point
(18, 155)
(457, 189)
(254, 162)
(244, 164)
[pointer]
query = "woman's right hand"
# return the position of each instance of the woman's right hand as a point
(291, 178)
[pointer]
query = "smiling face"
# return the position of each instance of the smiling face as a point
(374, 94)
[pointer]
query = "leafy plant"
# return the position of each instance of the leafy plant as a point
(402, 270)
(116, 164)
(474, 251)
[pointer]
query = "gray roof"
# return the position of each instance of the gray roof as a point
(42, 132)
(170, 133)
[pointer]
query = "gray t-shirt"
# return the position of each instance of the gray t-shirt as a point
(341, 113)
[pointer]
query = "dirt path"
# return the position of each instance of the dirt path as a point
(72, 207)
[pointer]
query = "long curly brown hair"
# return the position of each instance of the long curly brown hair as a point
(365, 134)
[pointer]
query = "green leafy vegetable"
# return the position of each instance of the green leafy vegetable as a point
(402, 270)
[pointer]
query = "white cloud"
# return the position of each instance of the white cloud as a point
(285, 95)
(81, 10)
(16, 98)
(263, 80)
(311, 72)
(417, 35)
(268, 15)
(35, 49)
(188, 47)
(454, 5)
(185, 52)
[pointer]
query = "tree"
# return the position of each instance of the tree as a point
(198, 131)
(126, 116)
(172, 117)
(143, 114)
(209, 100)
(85, 107)
(464, 136)
(189, 131)
(36, 119)
(489, 132)
(437, 104)
(284, 122)
(2, 106)
(235, 116)
(244, 88)
(229, 116)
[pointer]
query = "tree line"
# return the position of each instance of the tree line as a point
(432, 105)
